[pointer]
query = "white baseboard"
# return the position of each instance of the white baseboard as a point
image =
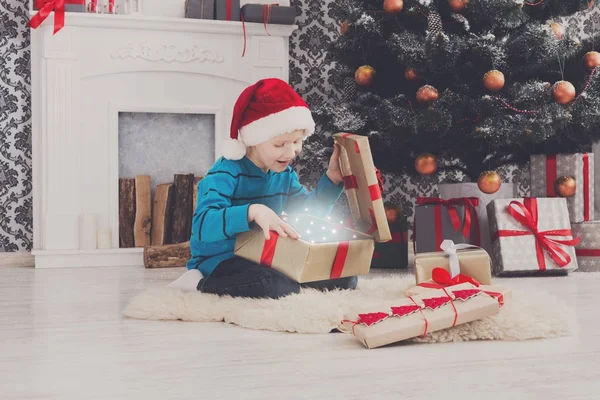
(17, 259)
(130, 257)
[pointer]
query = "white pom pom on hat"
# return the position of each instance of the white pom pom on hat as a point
(267, 109)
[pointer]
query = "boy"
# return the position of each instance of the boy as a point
(253, 183)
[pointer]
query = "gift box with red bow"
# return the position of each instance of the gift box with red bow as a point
(588, 249)
(269, 14)
(442, 278)
(227, 10)
(546, 169)
(46, 7)
(464, 259)
(429, 311)
(342, 251)
(437, 219)
(531, 235)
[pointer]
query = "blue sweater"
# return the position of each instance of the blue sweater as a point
(225, 194)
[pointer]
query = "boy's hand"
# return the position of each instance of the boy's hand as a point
(333, 171)
(269, 221)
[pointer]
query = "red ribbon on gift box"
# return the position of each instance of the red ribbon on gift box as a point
(551, 176)
(527, 214)
(266, 17)
(587, 252)
(45, 7)
(268, 252)
(470, 216)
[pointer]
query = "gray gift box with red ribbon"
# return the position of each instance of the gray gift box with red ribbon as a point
(269, 14)
(227, 10)
(332, 249)
(437, 219)
(70, 5)
(531, 236)
(546, 169)
(200, 9)
(588, 249)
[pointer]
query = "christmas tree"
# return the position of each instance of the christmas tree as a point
(467, 85)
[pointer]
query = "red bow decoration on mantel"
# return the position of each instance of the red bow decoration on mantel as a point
(526, 213)
(45, 7)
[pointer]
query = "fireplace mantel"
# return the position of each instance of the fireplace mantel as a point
(99, 65)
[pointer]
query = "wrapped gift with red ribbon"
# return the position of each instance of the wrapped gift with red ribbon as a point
(329, 249)
(227, 10)
(416, 316)
(588, 249)
(59, 7)
(531, 235)
(442, 278)
(546, 169)
(437, 219)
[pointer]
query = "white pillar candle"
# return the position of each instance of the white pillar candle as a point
(87, 232)
(104, 239)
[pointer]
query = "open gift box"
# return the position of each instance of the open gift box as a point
(328, 249)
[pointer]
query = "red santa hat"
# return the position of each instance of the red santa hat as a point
(267, 109)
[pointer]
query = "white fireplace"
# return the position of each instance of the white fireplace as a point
(98, 66)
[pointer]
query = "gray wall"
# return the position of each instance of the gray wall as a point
(310, 75)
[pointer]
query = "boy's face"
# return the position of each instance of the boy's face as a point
(277, 153)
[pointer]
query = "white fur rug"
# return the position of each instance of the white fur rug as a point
(528, 315)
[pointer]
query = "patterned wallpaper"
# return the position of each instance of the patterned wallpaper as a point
(310, 75)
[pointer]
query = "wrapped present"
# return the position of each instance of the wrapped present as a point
(588, 249)
(342, 251)
(438, 219)
(269, 14)
(441, 278)
(546, 169)
(457, 259)
(59, 7)
(531, 235)
(393, 254)
(227, 10)
(430, 311)
(200, 9)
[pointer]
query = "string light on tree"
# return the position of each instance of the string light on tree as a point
(393, 6)
(565, 186)
(426, 164)
(563, 92)
(493, 80)
(591, 60)
(489, 182)
(364, 75)
(427, 94)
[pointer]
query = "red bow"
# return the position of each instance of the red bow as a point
(46, 7)
(470, 212)
(527, 215)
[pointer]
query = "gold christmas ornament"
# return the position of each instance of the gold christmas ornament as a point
(458, 5)
(563, 92)
(393, 6)
(591, 60)
(489, 182)
(493, 80)
(427, 94)
(426, 164)
(565, 186)
(364, 75)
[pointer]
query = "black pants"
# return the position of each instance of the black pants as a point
(238, 277)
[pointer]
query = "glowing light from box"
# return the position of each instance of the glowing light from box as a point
(354, 236)
(323, 227)
(324, 238)
(312, 222)
(306, 209)
(308, 231)
(333, 231)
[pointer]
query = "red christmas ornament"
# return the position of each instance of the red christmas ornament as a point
(393, 6)
(489, 182)
(427, 94)
(426, 164)
(591, 60)
(410, 74)
(458, 5)
(493, 80)
(563, 92)
(365, 75)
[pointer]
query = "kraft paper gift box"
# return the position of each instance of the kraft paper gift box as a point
(200, 9)
(437, 219)
(429, 311)
(545, 169)
(441, 278)
(457, 259)
(269, 14)
(227, 10)
(588, 250)
(531, 235)
(342, 251)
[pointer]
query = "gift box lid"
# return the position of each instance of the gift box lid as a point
(362, 186)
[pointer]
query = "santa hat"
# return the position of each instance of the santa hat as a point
(267, 109)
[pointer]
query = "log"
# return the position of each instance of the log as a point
(167, 256)
(182, 207)
(143, 211)
(161, 214)
(126, 212)
(195, 192)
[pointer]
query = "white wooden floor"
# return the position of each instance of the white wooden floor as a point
(62, 336)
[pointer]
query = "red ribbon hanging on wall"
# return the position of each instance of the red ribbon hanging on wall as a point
(526, 213)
